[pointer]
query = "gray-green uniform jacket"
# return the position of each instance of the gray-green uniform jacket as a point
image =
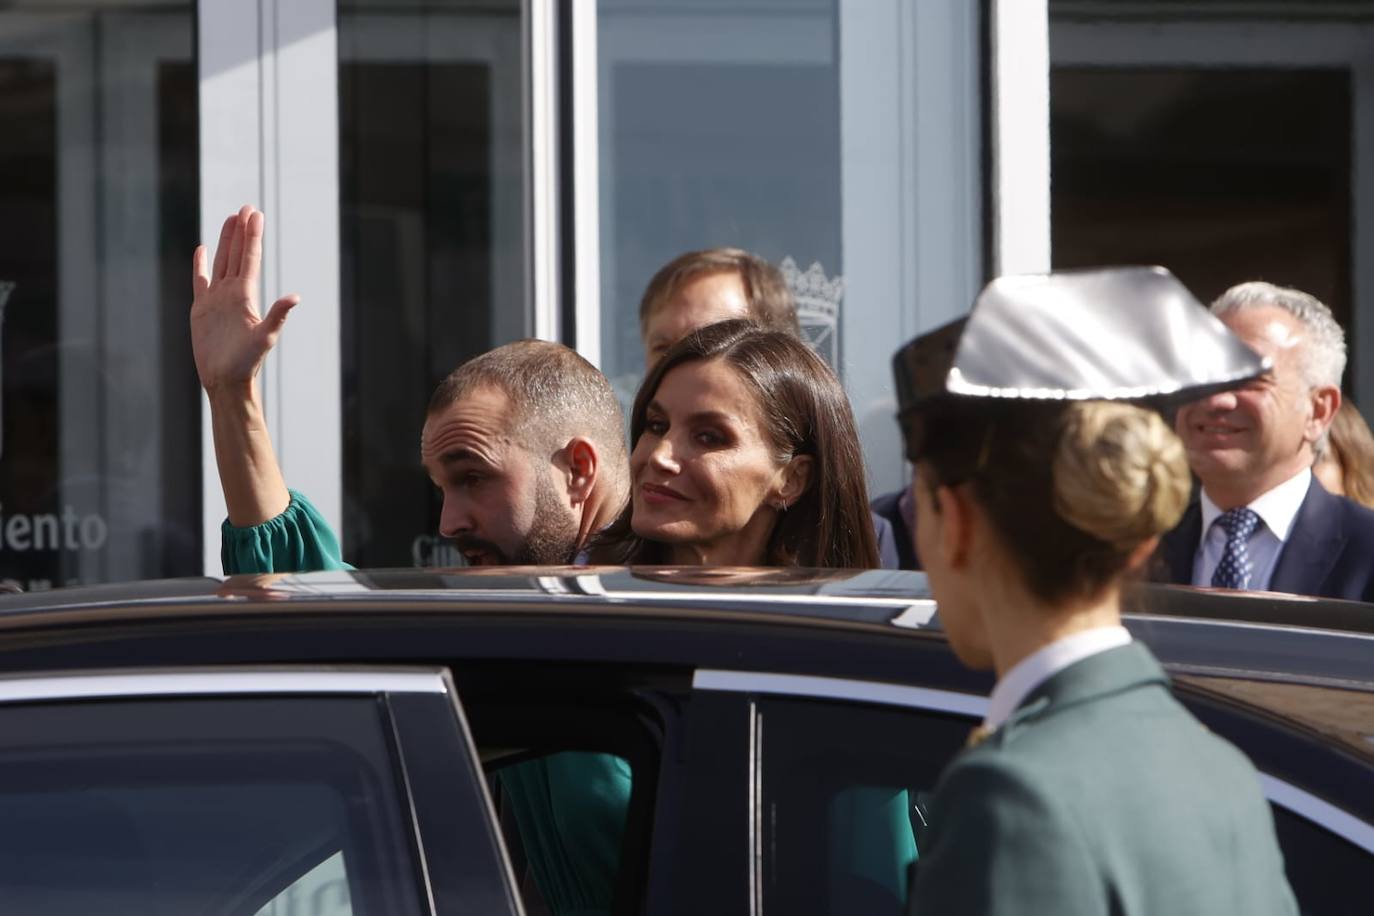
(1102, 795)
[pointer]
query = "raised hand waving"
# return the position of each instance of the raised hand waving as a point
(229, 337)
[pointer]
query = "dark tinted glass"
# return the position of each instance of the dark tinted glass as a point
(100, 472)
(845, 797)
(573, 764)
(432, 222)
(1329, 875)
(1220, 174)
(215, 806)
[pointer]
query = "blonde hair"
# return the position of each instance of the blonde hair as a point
(1120, 474)
(1072, 488)
(1352, 445)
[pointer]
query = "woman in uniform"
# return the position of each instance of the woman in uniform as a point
(1043, 480)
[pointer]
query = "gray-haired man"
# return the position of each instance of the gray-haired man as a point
(1263, 522)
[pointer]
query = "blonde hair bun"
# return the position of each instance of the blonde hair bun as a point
(1120, 474)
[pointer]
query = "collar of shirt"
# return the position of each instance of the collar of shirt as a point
(1045, 662)
(1278, 508)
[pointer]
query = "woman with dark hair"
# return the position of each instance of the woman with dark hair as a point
(744, 454)
(1041, 488)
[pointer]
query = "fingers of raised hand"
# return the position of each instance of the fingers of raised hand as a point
(200, 278)
(226, 235)
(276, 315)
(252, 251)
(238, 241)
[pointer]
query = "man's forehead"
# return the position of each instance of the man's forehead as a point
(1267, 325)
(480, 419)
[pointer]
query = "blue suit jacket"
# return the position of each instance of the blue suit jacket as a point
(1329, 553)
(903, 555)
(888, 551)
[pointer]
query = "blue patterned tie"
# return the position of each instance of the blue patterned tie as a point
(1235, 567)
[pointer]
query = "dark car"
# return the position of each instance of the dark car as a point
(349, 742)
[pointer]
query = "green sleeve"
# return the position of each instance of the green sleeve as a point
(871, 838)
(298, 540)
(570, 808)
(1000, 846)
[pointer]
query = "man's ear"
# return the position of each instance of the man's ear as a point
(796, 477)
(582, 462)
(1326, 400)
(957, 522)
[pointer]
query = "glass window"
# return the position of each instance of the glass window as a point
(207, 806)
(1328, 874)
(575, 780)
(845, 796)
(1160, 166)
(564, 815)
(735, 143)
(432, 147)
(322, 891)
(1226, 145)
(99, 412)
(788, 128)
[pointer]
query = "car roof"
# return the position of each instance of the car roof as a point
(885, 597)
(878, 625)
(895, 598)
(1203, 631)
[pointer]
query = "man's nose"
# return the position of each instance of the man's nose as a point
(1220, 402)
(455, 518)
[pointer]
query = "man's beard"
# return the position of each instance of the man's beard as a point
(551, 540)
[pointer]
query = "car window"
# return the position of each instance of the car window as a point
(322, 891)
(845, 793)
(574, 771)
(564, 816)
(216, 806)
(1328, 874)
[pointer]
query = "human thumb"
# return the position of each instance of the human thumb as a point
(276, 315)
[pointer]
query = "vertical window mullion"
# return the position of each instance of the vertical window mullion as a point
(269, 136)
(1020, 70)
(541, 22)
(586, 193)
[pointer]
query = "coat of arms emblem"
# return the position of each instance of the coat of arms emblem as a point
(818, 307)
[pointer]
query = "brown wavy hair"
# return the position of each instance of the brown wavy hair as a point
(1352, 445)
(805, 412)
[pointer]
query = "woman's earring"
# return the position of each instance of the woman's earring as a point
(782, 505)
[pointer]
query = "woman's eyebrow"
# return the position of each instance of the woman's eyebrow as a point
(711, 416)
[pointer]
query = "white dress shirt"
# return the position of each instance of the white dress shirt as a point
(1045, 662)
(1277, 510)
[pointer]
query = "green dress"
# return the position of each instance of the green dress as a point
(570, 807)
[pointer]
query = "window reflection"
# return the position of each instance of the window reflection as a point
(99, 411)
(431, 169)
(718, 128)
